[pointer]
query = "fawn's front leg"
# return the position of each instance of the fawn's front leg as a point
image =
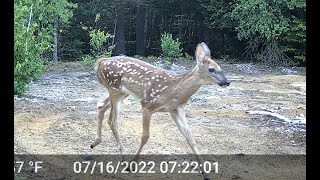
(179, 118)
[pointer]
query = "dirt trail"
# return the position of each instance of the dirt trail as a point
(58, 115)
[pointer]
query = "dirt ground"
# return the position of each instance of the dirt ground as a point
(58, 115)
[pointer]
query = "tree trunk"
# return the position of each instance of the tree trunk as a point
(140, 28)
(29, 23)
(119, 35)
(55, 46)
(200, 29)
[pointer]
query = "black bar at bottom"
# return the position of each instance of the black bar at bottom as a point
(280, 167)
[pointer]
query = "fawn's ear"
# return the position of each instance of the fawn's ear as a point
(202, 51)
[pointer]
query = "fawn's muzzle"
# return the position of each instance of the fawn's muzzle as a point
(224, 83)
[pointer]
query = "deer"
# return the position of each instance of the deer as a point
(159, 90)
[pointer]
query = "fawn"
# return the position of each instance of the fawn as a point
(158, 90)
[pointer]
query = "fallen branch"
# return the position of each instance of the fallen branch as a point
(273, 114)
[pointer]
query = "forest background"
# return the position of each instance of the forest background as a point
(272, 32)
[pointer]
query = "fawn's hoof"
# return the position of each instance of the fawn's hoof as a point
(96, 142)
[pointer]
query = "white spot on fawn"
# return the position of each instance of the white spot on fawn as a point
(165, 87)
(144, 93)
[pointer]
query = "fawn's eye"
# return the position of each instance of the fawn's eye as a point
(211, 70)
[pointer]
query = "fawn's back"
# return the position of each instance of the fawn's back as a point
(135, 77)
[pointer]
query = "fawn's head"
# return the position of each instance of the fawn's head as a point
(211, 71)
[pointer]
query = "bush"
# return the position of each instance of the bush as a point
(170, 47)
(27, 50)
(33, 35)
(98, 39)
(28, 64)
(26, 69)
(275, 30)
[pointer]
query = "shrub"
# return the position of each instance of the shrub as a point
(28, 64)
(98, 50)
(98, 39)
(170, 47)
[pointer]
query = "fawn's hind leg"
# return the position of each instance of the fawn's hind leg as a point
(102, 107)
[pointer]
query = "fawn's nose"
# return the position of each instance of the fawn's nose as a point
(224, 83)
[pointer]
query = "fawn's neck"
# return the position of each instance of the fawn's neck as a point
(187, 84)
